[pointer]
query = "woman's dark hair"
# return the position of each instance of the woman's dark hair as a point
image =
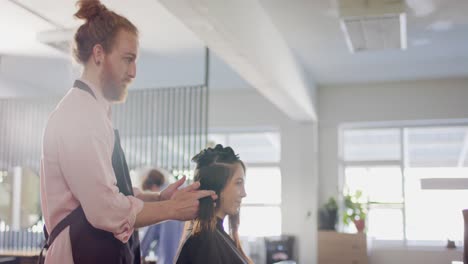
(215, 167)
(154, 177)
(216, 155)
(101, 27)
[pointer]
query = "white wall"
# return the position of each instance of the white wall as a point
(32, 76)
(415, 100)
(26, 76)
(246, 109)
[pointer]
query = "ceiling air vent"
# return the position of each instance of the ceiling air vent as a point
(59, 39)
(373, 24)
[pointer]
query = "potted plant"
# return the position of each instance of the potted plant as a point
(354, 210)
(328, 215)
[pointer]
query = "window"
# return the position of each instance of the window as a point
(261, 209)
(388, 164)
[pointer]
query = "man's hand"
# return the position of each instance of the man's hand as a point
(181, 204)
(185, 202)
(167, 193)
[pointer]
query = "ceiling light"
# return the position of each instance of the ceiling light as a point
(60, 39)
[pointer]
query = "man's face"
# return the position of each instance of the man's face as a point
(119, 67)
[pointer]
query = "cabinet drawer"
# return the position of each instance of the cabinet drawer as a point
(340, 248)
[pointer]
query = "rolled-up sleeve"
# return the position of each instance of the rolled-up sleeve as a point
(86, 163)
(136, 191)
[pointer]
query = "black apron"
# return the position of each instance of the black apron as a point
(91, 245)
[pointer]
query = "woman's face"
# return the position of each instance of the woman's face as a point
(232, 194)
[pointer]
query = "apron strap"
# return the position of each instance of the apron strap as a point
(83, 86)
(57, 230)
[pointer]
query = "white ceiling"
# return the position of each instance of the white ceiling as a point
(171, 54)
(312, 30)
(160, 31)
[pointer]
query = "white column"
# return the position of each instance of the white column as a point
(16, 198)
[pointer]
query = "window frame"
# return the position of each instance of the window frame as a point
(402, 163)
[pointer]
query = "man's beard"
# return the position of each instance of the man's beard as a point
(114, 89)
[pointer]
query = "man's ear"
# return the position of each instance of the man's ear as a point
(98, 54)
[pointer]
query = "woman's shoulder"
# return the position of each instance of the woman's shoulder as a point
(208, 248)
(198, 248)
(197, 240)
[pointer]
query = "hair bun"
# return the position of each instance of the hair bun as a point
(216, 154)
(89, 9)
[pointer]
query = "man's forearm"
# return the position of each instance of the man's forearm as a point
(149, 196)
(154, 212)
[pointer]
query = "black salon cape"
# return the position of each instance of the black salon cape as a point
(210, 248)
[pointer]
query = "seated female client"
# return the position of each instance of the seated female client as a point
(218, 169)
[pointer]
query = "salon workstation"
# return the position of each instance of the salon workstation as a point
(215, 131)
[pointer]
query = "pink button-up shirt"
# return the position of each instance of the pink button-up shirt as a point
(76, 169)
